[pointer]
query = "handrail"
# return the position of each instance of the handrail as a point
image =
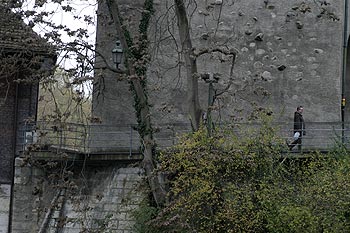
(99, 138)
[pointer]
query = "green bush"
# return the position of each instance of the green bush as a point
(142, 216)
(242, 183)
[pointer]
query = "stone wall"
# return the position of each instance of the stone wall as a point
(289, 53)
(104, 196)
(5, 193)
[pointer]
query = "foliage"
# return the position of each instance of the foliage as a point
(142, 216)
(312, 196)
(242, 183)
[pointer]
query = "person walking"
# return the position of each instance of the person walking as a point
(299, 128)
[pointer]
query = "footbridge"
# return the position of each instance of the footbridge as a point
(122, 142)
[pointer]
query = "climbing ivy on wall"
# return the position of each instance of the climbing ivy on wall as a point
(137, 54)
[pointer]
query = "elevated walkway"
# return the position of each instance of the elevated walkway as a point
(97, 142)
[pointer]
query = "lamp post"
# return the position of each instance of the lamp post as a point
(210, 79)
(117, 53)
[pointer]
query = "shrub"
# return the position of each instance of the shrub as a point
(243, 183)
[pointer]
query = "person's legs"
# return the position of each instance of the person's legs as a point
(294, 143)
(299, 143)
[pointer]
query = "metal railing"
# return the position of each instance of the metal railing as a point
(318, 135)
(98, 138)
(93, 138)
(41, 136)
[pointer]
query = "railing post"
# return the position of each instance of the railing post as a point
(130, 147)
(343, 133)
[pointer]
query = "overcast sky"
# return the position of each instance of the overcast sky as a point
(80, 8)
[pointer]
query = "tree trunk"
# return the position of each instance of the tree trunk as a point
(143, 111)
(194, 108)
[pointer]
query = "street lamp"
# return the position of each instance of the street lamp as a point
(117, 53)
(210, 79)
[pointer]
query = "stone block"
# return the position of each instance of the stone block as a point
(4, 205)
(4, 220)
(72, 230)
(128, 208)
(5, 190)
(23, 171)
(3, 228)
(72, 224)
(21, 180)
(22, 226)
(120, 216)
(131, 170)
(71, 213)
(125, 225)
(111, 207)
(19, 162)
(126, 184)
(135, 179)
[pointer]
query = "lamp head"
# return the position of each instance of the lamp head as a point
(117, 53)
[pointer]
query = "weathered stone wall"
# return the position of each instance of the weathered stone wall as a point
(267, 36)
(289, 53)
(5, 193)
(104, 196)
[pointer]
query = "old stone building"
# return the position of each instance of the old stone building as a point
(289, 53)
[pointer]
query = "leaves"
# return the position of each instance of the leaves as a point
(239, 183)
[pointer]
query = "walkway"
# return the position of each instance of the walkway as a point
(102, 140)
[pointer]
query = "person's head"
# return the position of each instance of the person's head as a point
(300, 109)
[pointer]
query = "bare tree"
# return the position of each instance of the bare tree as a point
(194, 108)
(190, 57)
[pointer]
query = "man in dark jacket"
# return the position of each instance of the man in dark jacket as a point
(299, 128)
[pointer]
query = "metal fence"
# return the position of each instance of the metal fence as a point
(100, 138)
(318, 135)
(93, 138)
(42, 136)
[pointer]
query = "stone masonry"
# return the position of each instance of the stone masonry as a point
(289, 53)
(106, 197)
(5, 193)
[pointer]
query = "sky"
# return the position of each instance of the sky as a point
(80, 8)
